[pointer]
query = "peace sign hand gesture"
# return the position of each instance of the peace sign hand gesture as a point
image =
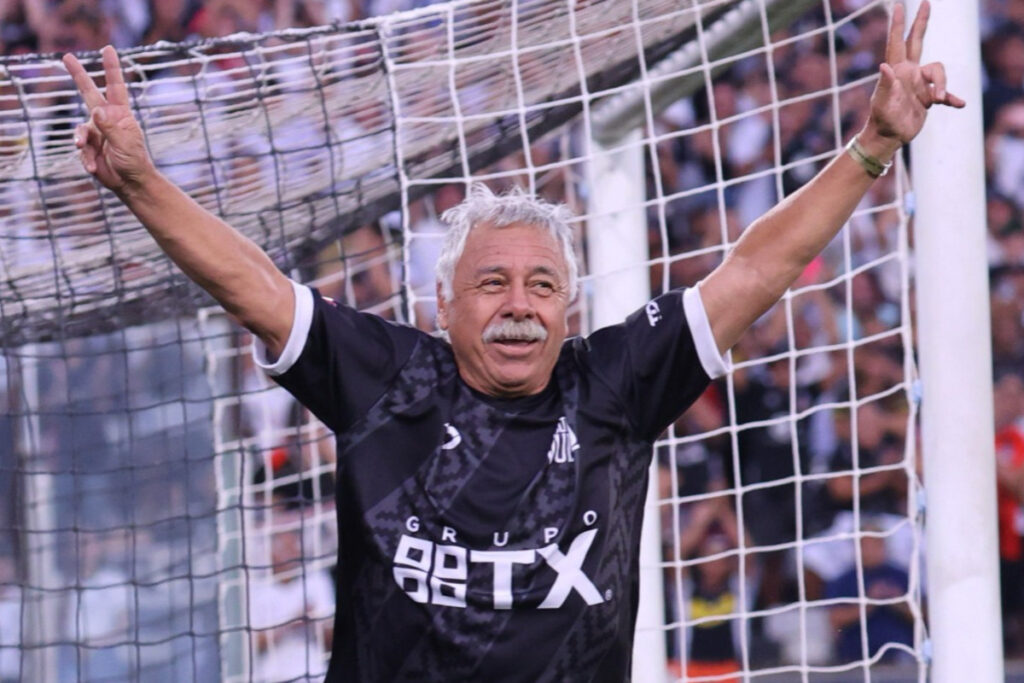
(906, 89)
(110, 143)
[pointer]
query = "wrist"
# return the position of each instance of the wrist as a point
(140, 186)
(881, 147)
(873, 153)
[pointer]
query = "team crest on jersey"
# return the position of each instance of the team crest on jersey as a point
(564, 444)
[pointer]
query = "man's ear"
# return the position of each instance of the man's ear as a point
(442, 309)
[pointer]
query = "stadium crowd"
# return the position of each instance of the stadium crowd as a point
(851, 293)
(49, 26)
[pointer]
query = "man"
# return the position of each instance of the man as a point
(11, 610)
(888, 623)
(490, 489)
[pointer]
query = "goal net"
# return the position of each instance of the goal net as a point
(167, 513)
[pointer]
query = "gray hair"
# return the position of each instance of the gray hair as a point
(483, 207)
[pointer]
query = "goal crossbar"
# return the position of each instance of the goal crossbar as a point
(217, 118)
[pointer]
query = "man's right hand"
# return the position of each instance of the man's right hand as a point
(110, 143)
(225, 263)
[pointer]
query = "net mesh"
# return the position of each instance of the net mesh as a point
(291, 137)
(170, 512)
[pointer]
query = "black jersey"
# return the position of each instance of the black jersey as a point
(483, 538)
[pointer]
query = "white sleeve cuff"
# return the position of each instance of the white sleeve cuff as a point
(301, 323)
(714, 364)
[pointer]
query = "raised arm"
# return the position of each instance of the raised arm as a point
(777, 247)
(225, 263)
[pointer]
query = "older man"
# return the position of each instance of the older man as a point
(491, 488)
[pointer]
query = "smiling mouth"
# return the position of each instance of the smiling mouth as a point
(516, 342)
(515, 346)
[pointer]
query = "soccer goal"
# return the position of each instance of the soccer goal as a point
(167, 513)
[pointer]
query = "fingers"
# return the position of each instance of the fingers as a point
(954, 101)
(86, 87)
(935, 75)
(88, 157)
(81, 135)
(895, 47)
(117, 92)
(915, 42)
(88, 141)
(898, 49)
(886, 79)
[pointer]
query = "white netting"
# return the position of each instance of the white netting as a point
(290, 137)
(336, 150)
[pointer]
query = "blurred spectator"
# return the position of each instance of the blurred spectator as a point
(10, 619)
(770, 454)
(377, 8)
(424, 247)
(698, 463)
(225, 17)
(883, 581)
(1008, 400)
(1004, 148)
(712, 539)
(1007, 329)
(289, 13)
(168, 20)
(291, 610)
(1005, 231)
(100, 609)
(82, 26)
(267, 409)
(1003, 54)
(880, 440)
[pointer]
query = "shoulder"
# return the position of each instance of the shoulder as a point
(358, 328)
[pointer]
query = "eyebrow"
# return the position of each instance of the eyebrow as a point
(490, 269)
(545, 270)
(501, 270)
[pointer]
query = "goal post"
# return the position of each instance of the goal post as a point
(616, 254)
(954, 336)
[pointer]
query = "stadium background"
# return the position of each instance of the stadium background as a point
(160, 480)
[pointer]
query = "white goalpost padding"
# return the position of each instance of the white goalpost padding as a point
(616, 254)
(956, 362)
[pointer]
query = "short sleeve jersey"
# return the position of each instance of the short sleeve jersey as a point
(483, 538)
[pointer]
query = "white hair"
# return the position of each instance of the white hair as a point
(483, 207)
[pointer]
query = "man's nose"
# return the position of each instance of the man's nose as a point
(518, 305)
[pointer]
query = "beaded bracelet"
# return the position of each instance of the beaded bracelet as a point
(874, 167)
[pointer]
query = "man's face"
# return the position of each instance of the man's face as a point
(507, 318)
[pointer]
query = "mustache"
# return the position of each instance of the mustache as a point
(515, 330)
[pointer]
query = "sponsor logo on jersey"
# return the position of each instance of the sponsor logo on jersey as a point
(653, 312)
(437, 573)
(454, 438)
(564, 443)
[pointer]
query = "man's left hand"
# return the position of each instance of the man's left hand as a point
(906, 89)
